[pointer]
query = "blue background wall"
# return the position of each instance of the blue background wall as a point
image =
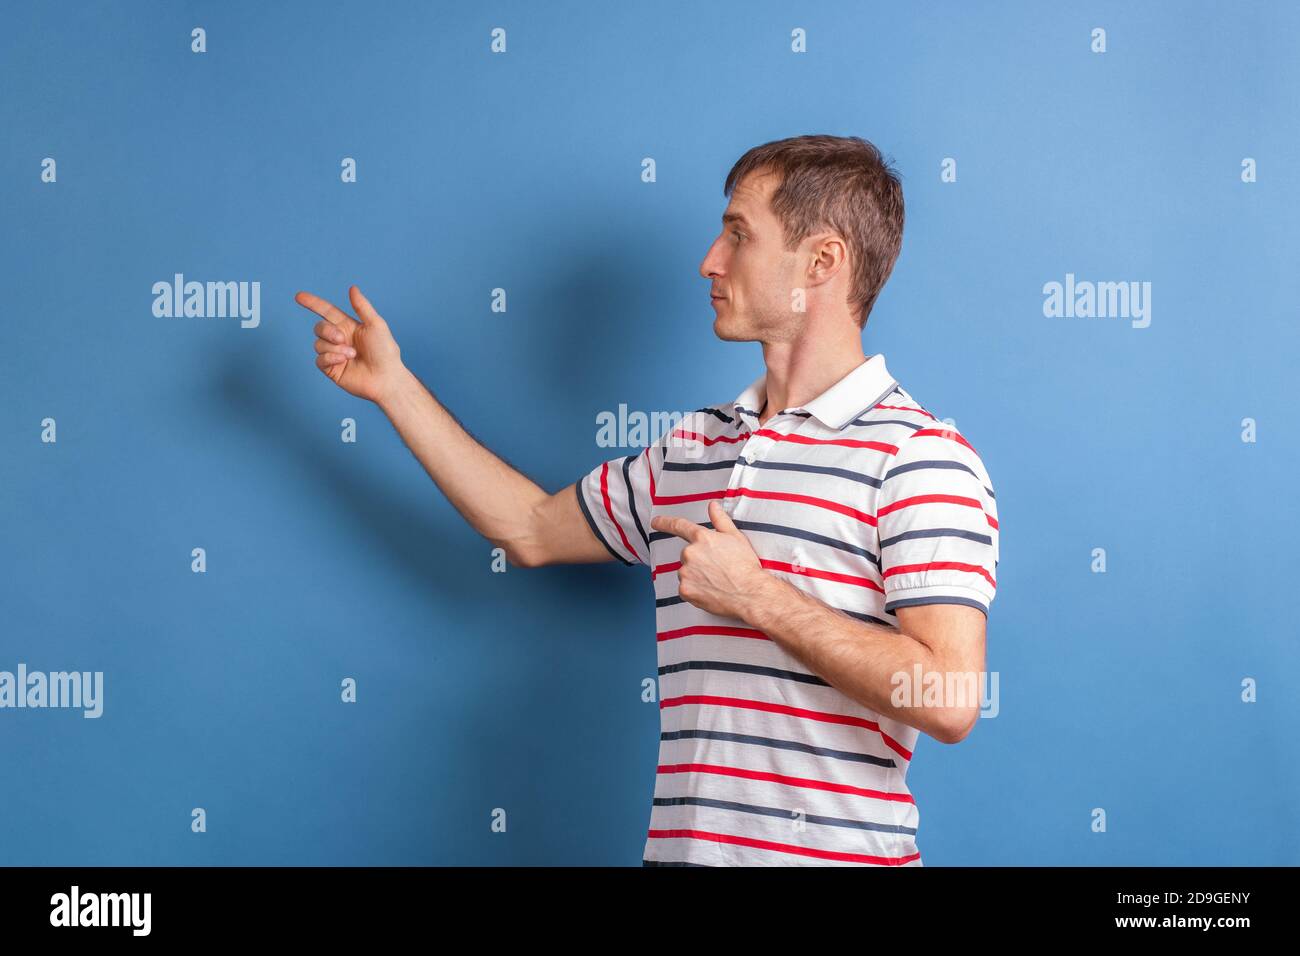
(475, 171)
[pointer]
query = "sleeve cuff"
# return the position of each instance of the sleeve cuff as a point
(938, 594)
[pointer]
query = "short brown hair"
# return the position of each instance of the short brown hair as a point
(837, 182)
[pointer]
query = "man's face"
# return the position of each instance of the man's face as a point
(752, 275)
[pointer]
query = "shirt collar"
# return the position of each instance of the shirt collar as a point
(856, 392)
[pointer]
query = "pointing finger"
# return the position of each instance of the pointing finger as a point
(324, 309)
(678, 526)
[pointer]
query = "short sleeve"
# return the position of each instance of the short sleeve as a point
(938, 524)
(616, 498)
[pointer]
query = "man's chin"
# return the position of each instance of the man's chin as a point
(729, 332)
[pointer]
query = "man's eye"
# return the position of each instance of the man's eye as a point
(737, 234)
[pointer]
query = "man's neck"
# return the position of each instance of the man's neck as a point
(797, 372)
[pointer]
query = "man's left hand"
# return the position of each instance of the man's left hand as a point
(720, 573)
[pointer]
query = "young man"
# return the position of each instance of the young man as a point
(823, 549)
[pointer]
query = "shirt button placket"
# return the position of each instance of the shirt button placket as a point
(755, 447)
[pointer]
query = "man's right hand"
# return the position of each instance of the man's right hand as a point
(361, 358)
(502, 504)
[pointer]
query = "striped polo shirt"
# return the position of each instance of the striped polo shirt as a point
(864, 500)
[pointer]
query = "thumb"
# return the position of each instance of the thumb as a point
(365, 311)
(721, 520)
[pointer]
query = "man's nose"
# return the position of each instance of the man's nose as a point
(712, 264)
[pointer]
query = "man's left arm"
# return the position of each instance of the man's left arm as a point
(720, 573)
(934, 644)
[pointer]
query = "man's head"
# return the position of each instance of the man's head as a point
(813, 227)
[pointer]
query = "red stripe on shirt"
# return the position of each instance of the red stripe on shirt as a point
(719, 629)
(803, 500)
(937, 499)
(824, 575)
(942, 566)
(696, 436)
(664, 569)
(904, 408)
(927, 500)
(944, 433)
(782, 847)
(763, 495)
(806, 783)
(609, 510)
(781, 436)
(846, 442)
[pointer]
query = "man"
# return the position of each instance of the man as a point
(822, 548)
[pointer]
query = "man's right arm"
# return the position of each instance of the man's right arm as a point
(534, 527)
